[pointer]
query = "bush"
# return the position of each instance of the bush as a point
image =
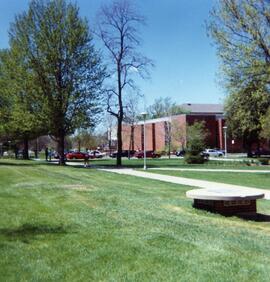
(194, 159)
(196, 135)
(264, 161)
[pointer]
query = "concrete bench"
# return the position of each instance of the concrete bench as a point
(225, 201)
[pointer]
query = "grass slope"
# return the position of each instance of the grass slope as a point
(257, 180)
(72, 224)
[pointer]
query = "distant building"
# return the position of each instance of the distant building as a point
(157, 129)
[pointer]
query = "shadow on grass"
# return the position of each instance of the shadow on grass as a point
(258, 217)
(28, 232)
(21, 163)
(28, 163)
(111, 163)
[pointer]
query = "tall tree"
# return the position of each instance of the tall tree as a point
(265, 121)
(241, 32)
(24, 117)
(5, 99)
(245, 110)
(117, 27)
(56, 46)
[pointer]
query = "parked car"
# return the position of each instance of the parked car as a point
(31, 154)
(96, 154)
(259, 153)
(125, 153)
(180, 153)
(213, 153)
(76, 155)
(56, 155)
(149, 154)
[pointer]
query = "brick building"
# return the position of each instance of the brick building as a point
(157, 134)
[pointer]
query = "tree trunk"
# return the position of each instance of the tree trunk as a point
(25, 149)
(36, 149)
(169, 148)
(131, 141)
(16, 151)
(61, 149)
(119, 142)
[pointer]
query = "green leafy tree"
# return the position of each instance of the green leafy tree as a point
(88, 139)
(56, 46)
(245, 110)
(5, 99)
(23, 113)
(265, 121)
(196, 136)
(241, 32)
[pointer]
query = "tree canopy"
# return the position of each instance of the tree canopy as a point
(164, 107)
(55, 46)
(245, 110)
(241, 32)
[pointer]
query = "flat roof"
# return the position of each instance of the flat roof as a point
(203, 108)
(225, 194)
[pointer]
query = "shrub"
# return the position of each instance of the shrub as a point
(194, 159)
(196, 135)
(264, 161)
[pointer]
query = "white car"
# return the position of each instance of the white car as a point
(96, 154)
(213, 153)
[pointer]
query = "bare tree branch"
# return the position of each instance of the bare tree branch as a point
(117, 27)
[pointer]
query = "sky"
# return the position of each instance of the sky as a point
(175, 38)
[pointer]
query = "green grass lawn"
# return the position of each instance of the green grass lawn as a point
(175, 162)
(76, 224)
(257, 180)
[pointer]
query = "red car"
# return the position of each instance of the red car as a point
(76, 155)
(149, 154)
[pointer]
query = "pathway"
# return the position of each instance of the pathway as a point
(186, 181)
(210, 170)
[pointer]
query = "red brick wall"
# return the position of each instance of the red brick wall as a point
(126, 132)
(155, 134)
(160, 136)
(149, 139)
(179, 128)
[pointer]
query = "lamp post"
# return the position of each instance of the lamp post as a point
(225, 139)
(143, 114)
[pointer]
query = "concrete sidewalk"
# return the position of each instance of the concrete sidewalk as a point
(210, 170)
(186, 181)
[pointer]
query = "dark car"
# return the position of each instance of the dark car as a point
(76, 155)
(259, 153)
(149, 154)
(125, 153)
(180, 153)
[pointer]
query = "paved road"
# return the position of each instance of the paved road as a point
(187, 181)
